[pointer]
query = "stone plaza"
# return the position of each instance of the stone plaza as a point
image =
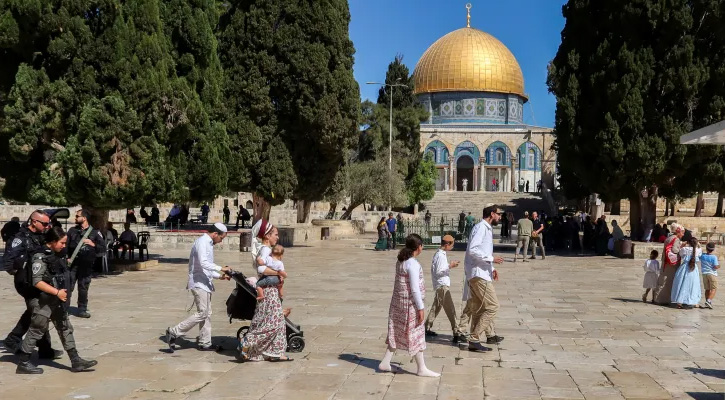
(574, 327)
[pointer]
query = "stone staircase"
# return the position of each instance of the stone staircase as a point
(450, 204)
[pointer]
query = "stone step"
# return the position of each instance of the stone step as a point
(451, 203)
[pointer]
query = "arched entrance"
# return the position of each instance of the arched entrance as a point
(464, 173)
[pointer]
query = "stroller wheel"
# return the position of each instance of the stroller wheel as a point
(242, 332)
(296, 344)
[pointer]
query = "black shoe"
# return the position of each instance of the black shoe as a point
(478, 347)
(170, 339)
(50, 354)
(494, 339)
(430, 333)
(83, 314)
(25, 366)
(458, 339)
(12, 345)
(80, 364)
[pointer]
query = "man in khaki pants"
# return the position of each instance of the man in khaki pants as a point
(523, 229)
(440, 272)
(480, 273)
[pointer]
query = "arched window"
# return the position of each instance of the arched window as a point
(500, 155)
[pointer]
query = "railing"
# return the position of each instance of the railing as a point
(436, 228)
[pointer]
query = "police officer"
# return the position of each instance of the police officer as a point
(27, 241)
(91, 244)
(49, 276)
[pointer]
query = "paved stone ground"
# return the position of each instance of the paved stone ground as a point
(575, 328)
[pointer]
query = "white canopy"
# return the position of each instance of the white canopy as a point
(713, 134)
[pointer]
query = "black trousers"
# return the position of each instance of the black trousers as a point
(21, 328)
(83, 277)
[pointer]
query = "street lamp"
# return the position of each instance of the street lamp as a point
(390, 136)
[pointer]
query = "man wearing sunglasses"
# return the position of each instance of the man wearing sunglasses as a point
(18, 250)
(81, 270)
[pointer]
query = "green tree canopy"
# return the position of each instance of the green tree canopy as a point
(628, 77)
(107, 103)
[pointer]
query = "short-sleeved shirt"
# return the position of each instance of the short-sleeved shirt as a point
(392, 222)
(707, 263)
(536, 223)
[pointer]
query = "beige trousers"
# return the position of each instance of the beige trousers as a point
(483, 306)
(443, 299)
(201, 317)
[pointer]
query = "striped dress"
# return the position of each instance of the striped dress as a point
(403, 331)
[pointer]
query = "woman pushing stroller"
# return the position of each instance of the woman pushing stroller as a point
(266, 338)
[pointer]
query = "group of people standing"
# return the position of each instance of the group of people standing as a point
(46, 263)
(676, 281)
(407, 325)
(387, 231)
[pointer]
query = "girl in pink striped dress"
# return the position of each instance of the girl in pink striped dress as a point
(406, 330)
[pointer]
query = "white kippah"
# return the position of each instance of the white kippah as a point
(220, 227)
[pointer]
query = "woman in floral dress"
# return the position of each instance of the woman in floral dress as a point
(406, 330)
(266, 339)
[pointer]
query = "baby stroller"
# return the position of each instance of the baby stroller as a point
(241, 304)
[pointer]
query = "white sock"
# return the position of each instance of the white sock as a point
(385, 363)
(422, 369)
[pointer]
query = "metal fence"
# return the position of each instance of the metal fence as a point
(438, 227)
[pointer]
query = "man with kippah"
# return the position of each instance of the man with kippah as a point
(202, 271)
(440, 270)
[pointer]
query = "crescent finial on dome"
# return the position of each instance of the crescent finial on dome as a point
(468, 18)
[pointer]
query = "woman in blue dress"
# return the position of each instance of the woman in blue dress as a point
(686, 292)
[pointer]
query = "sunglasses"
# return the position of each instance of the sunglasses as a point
(41, 222)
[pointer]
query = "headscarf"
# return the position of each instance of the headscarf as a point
(261, 229)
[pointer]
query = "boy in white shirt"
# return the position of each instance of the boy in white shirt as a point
(440, 271)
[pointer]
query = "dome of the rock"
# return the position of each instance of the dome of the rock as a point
(468, 60)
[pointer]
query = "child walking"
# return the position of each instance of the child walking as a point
(709, 265)
(651, 274)
(440, 272)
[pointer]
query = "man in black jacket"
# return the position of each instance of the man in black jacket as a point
(18, 250)
(82, 268)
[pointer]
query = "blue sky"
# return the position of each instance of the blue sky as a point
(531, 29)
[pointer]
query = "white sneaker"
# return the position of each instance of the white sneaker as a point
(708, 305)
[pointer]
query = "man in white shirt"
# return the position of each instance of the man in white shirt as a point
(480, 273)
(202, 271)
(440, 271)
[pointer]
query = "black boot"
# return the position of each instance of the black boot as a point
(78, 364)
(12, 343)
(25, 366)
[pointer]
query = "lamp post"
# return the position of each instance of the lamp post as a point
(390, 136)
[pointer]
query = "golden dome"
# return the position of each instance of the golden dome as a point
(468, 59)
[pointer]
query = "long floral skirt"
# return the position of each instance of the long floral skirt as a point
(266, 336)
(403, 333)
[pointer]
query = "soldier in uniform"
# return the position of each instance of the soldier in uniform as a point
(27, 241)
(49, 278)
(82, 268)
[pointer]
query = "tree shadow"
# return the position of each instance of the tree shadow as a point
(715, 373)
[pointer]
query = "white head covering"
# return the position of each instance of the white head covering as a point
(259, 230)
(220, 227)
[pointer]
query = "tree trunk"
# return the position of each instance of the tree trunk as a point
(635, 216)
(415, 209)
(347, 214)
(672, 208)
(699, 205)
(261, 208)
(617, 207)
(642, 212)
(99, 218)
(718, 208)
(332, 211)
(667, 207)
(303, 211)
